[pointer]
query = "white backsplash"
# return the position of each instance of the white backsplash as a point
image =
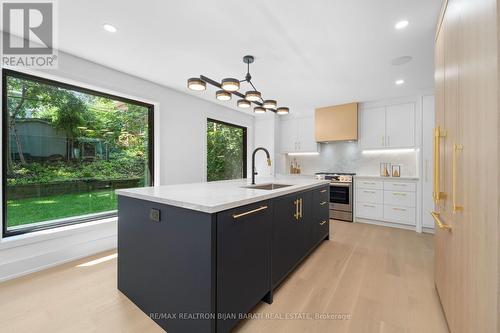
(347, 157)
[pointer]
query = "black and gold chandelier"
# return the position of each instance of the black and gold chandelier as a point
(230, 86)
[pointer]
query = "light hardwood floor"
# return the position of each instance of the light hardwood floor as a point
(381, 277)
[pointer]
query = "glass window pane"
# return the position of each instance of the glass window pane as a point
(226, 151)
(67, 151)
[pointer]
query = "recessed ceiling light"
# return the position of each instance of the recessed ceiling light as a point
(110, 28)
(399, 82)
(401, 24)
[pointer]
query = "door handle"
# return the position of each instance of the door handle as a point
(441, 225)
(383, 141)
(323, 203)
(237, 216)
(388, 141)
(322, 222)
(456, 149)
(437, 194)
(323, 191)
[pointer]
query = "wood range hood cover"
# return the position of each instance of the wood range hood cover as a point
(337, 123)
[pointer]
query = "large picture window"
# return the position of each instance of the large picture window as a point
(65, 151)
(226, 151)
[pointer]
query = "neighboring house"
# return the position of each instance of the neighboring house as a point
(40, 141)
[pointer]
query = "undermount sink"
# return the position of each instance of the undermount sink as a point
(271, 186)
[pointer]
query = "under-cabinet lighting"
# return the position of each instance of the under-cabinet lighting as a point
(98, 261)
(304, 153)
(389, 151)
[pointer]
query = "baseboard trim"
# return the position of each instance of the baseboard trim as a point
(385, 224)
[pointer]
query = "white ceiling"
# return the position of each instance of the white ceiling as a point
(308, 53)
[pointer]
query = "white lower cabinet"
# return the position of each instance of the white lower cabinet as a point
(398, 214)
(388, 200)
(370, 211)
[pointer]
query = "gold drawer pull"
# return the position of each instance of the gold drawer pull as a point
(296, 203)
(369, 183)
(369, 206)
(323, 191)
(368, 191)
(323, 203)
(300, 211)
(400, 209)
(237, 216)
(400, 194)
(401, 185)
(441, 225)
(322, 222)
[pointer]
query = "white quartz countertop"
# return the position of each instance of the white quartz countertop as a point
(214, 197)
(387, 178)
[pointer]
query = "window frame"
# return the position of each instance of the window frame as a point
(245, 137)
(5, 141)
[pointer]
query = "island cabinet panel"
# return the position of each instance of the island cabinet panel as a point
(166, 267)
(243, 260)
(292, 233)
(321, 214)
(192, 271)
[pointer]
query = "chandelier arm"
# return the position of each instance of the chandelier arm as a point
(236, 93)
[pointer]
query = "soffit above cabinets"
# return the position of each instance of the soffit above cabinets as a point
(337, 123)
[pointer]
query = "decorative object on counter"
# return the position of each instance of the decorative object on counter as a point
(384, 169)
(396, 170)
(294, 167)
(230, 86)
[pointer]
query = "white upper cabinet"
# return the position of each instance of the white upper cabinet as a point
(372, 128)
(400, 125)
(388, 127)
(297, 135)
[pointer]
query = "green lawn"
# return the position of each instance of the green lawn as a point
(25, 211)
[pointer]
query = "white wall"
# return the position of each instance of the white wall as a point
(180, 153)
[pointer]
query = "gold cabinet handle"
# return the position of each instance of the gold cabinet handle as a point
(456, 149)
(366, 191)
(237, 216)
(383, 140)
(441, 225)
(322, 203)
(399, 194)
(400, 209)
(296, 215)
(322, 222)
(369, 206)
(437, 194)
(300, 211)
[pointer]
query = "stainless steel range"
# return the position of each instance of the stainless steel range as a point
(341, 194)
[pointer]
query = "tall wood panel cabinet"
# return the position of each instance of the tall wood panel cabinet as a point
(466, 169)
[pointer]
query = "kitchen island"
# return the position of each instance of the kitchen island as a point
(198, 257)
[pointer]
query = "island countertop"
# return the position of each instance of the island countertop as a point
(213, 197)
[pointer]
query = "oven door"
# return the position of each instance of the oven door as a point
(341, 196)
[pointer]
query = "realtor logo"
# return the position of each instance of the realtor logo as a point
(28, 34)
